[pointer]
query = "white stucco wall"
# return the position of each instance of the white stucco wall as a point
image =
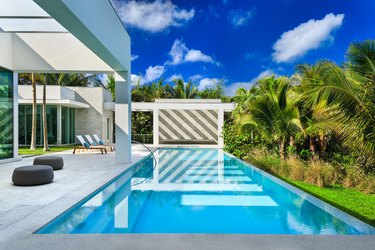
(6, 58)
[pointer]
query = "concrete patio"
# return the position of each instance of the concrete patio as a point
(24, 209)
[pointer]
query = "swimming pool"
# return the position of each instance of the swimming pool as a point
(195, 190)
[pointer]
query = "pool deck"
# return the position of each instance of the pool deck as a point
(23, 210)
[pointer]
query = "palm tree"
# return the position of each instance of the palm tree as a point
(317, 119)
(74, 79)
(184, 90)
(361, 60)
(34, 110)
(44, 110)
(214, 92)
(271, 112)
(349, 91)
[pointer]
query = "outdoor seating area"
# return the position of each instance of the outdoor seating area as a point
(87, 146)
(23, 209)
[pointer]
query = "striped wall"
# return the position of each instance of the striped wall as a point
(188, 126)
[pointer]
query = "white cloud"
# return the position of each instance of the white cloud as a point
(231, 89)
(153, 73)
(240, 18)
(197, 56)
(135, 79)
(195, 78)
(180, 53)
(153, 16)
(134, 57)
(207, 83)
(174, 77)
(307, 36)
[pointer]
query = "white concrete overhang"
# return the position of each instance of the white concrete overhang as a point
(63, 36)
(62, 102)
(150, 106)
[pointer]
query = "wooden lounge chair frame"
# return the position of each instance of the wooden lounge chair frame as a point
(111, 145)
(102, 149)
(94, 144)
(80, 138)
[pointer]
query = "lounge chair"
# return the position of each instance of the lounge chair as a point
(86, 146)
(94, 143)
(100, 142)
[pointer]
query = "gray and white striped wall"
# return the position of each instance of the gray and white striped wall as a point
(186, 121)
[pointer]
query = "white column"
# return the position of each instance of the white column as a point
(220, 124)
(155, 123)
(123, 117)
(58, 139)
(15, 114)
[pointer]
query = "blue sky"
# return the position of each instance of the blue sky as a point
(239, 41)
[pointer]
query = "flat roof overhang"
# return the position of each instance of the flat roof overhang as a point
(63, 36)
(173, 104)
(62, 102)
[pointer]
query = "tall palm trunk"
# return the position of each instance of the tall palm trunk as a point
(322, 144)
(312, 145)
(34, 110)
(282, 148)
(45, 129)
(291, 141)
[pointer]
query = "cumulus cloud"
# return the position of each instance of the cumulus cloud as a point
(195, 78)
(134, 57)
(152, 73)
(240, 18)
(207, 83)
(153, 16)
(231, 89)
(135, 79)
(180, 53)
(174, 77)
(307, 36)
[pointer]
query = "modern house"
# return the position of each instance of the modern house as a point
(62, 36)
(71, 111)
(90, 110)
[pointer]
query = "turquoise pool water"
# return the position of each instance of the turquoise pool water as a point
(201, 191)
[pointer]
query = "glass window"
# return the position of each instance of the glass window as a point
(67, 125)
(72, 125)
(6, 114)
(25, 124)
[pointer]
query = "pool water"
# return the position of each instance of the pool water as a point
(201, 191)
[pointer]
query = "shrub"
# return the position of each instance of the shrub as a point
(236, 143)
(321, 174)
(305, 154)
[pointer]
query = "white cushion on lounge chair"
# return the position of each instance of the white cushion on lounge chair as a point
(81, 140)
(91, 141)
(96, 137)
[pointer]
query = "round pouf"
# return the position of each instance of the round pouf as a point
(32, 175)
(56, 162)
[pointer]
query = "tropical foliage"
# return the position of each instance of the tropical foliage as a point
(322, 111)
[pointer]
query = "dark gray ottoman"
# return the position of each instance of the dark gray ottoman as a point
(56, 162)
(32, 175)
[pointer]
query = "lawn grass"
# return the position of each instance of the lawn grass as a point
(353, 202)
(39, 151)
(349, 200)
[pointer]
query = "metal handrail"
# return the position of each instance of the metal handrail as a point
(152, 153)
